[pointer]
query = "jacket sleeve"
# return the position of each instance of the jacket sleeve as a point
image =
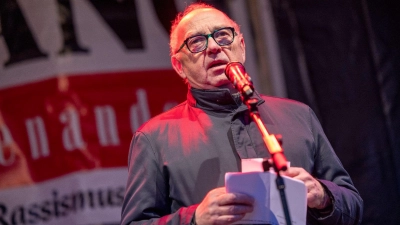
(347, 204)
(146, 198)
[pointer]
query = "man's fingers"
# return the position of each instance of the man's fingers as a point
(235, 209)
(235, 198)
(228, 219)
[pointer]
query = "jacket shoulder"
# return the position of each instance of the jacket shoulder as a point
(279, 102)
(174, 113)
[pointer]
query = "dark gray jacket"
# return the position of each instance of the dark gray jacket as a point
(180, 155)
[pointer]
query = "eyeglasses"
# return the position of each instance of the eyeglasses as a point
(223, 36)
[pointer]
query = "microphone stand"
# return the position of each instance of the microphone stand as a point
(279, 162)
(273, 143)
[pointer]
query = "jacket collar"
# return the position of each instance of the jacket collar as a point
(221, 100)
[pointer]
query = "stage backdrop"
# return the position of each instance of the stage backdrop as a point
(77, 78)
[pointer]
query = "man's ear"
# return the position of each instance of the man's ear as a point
(243, 46)
(177, 65)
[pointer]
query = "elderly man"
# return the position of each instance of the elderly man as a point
(178, 159)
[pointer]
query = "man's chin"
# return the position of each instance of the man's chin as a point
(217, 73)
(227, 84)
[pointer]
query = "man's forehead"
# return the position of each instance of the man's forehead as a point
(200, 12)
(203, 18)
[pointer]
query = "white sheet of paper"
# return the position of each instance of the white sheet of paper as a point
(268, 206)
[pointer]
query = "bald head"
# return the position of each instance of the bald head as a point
(188, 15)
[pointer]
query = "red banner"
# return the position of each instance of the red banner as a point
(69, 124)
(79, 122)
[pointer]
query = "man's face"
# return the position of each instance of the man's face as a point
(205, 70)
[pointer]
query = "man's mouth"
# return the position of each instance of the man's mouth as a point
(216, 63)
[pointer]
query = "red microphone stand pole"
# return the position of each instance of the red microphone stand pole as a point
(237, 75)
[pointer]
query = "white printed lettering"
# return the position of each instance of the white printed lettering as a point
(71, 134)
(37, 137)
(139, 113)
(107, 130)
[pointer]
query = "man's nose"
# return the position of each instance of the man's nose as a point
(212, 45)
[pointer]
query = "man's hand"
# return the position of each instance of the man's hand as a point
(219, 207)
(316, 195)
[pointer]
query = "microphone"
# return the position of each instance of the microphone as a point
(236, 73)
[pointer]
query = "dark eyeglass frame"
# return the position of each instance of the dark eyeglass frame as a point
(207, 36)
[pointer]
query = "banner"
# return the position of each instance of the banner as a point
(77, 78)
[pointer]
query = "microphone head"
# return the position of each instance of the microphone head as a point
(236, 73)
(233, 68)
